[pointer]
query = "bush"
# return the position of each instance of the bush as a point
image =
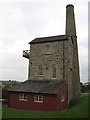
(85, 88)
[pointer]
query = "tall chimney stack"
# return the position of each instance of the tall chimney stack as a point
(70, 20)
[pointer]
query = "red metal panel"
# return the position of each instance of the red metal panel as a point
(26, 53)
(63, 104)
(50, 102)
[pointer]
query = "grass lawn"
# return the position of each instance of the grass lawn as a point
(77, 109)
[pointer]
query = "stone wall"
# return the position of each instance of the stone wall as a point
(76, 74)
(40, 56)
(68, 63)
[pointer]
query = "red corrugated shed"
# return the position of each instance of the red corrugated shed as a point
(51, 102)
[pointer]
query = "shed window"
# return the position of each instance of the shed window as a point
(40, 71)
(62, 98)
(22, 97)
(38, 98)
(54, 72)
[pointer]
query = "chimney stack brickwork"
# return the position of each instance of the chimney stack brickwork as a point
(71, 30)
(70, 20)
(76, 74)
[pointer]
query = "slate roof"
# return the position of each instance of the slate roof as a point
(39, 86)
(49, 39)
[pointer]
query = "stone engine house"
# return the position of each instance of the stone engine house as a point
(52, 61)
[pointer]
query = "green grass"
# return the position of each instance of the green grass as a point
(77, 109)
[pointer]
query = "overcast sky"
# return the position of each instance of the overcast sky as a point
(23, 20)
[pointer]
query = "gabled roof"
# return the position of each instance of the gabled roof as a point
(49, 39)
(39, 86)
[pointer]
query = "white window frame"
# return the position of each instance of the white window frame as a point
(38, 98)
(40, 70)
(62, 98)
(22, 97)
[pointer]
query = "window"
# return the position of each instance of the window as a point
(54, 71)
(62, 98)
(57, 58)
(38, 98)
(22, 97)
(70, 82)
(40, 70)
(47, 49)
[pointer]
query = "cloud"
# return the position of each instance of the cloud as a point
(14, 67)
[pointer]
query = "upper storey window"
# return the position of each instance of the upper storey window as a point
(47, 49)
(40, 71)
(54, 71)
(57, 57)
(70, 82)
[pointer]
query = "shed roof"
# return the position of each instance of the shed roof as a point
(39, 86)
(49, 39)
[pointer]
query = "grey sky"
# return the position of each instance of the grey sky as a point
(23, 20)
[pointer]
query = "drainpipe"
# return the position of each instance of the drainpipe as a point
(63, 60)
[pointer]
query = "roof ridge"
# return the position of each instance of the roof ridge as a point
(51, 36)
(49, 39)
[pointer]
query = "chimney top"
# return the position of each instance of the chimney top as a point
(70, 20)
(69, 5)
